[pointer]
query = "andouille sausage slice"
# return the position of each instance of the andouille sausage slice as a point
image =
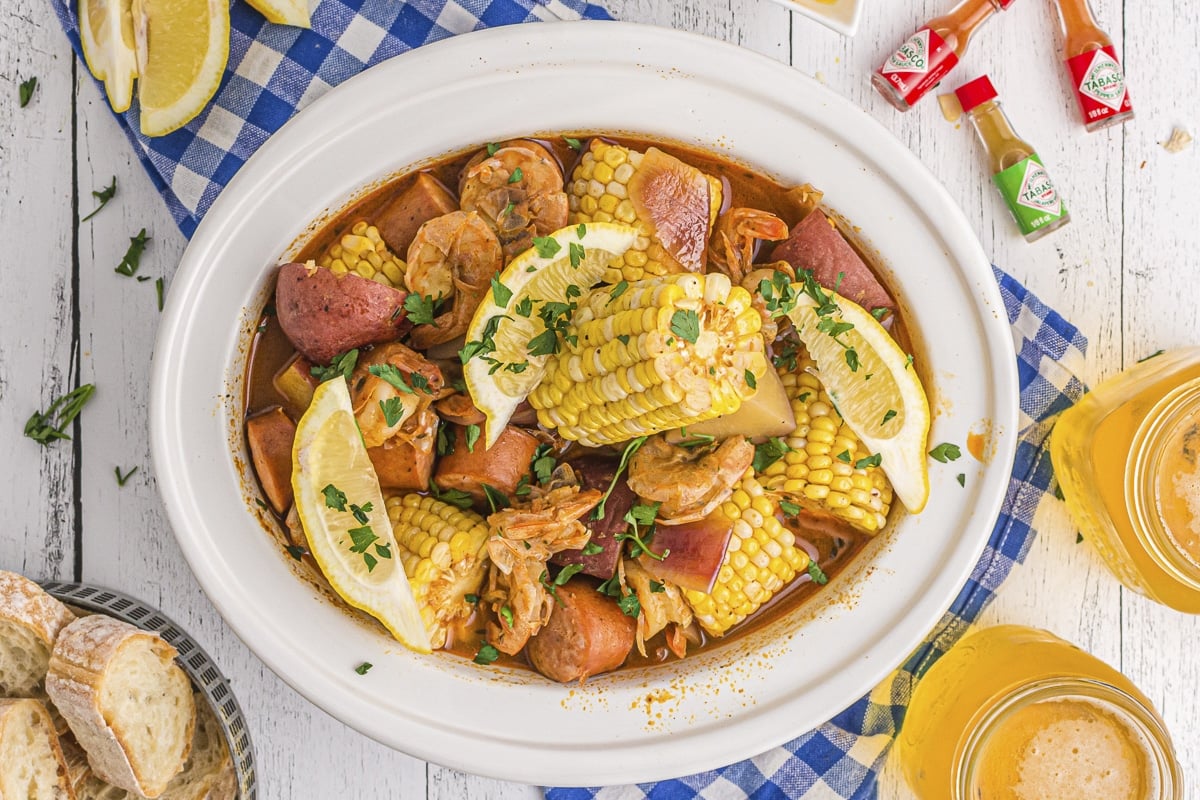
(399, 220)
(587, 634)
(270, 435)
(815, 244)
(500, 466)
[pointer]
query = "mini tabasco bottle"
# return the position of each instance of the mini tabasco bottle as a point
(1096, 73)
(1016, 169)
(931, 52)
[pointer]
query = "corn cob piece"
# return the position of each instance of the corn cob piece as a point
(598, 192)
(761, 559)
(819, 470)
(666, 352)
(363, 252)
(444, 552)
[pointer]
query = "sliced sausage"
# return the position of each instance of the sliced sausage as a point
(459, 409)
(399, 221)
(406, 463)
(587, 634)
(501, 466)
(815, 244)
(270, 435)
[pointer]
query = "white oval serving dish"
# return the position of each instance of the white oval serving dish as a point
(757, 691)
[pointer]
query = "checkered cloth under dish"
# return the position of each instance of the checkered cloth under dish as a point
(273, 71)
(841, 759)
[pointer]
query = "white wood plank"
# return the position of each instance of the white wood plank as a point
(37, 483)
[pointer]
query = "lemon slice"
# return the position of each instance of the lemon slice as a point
(492, 375)
(182, 49)
(329, 452)
(284, 12)
(106, 33)
(882, 400)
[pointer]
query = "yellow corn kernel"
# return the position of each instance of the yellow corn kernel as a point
(363, 252)
(443, 550)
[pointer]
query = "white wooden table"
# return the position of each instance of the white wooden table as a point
(1125, 271)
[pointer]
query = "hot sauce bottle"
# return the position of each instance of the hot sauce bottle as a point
(1096, 73)
(930, 53)
(1016, 169)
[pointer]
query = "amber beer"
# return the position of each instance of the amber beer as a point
(930, 53)
(1095, 71)
(1015, 713)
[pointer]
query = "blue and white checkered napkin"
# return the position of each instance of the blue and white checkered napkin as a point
(841, 759)
(275, 70)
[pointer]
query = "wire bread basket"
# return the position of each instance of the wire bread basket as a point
(192, 659)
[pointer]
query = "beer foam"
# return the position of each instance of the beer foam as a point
(1066, 749)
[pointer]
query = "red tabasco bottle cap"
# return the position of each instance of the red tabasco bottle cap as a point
(973, 94)
(1004, 4)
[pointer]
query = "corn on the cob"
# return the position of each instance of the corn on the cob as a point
(819, 471)
(363, 252)
(598, 192)
(761, 559)
(444, 552)
(630, 365)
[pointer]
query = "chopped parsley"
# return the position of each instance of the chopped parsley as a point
(581, 230)
(685, 323)
(778, 293)
(392, 376)
(472, 434)
(546, 246)
(342, 365)
(506, 615)
(133, 256)
(517, 175)
(295, 552)
(492, 147)
(1155, 354)
(393, 411)
(486, 343)
(543, 463)
(102, 197)
(751, 381)
(844, 456)
(159, 288)
(445, 443)
(455, 497)
(617, 291)
(524, 307)
(1078, 537)
(888, 417)
(364, 668)
(961, 478)
(789, 508)
(575, 252)
(50, 425)
(769, 452)
(500, 293)
(656, 587)
(25, 91)
(695, 440)
(630, 449)
(496, 499)
(122, 479)
(630, 605)
(486, 655)
(335, 498)
(421, 308)
(817, 574)
(945, 452)
(592, 549)
(870, 461)
(573, 143)
(641, 514)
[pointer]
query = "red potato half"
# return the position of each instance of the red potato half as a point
(815, 244)
(323, 314)
(587, 634)
(694, 552)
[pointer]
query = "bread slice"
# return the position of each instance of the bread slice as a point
(126, 700)
(31, 761)
(30, 621)
(208, 774)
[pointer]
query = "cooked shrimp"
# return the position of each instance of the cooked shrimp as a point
(452, 258)
(370, 393)
(736, 236)
(518, 189)
(522, 540)
(690, 483)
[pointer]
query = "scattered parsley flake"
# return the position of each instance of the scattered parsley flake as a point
(342, 365)
(573, 143)
(364, 668)
(335, 498)
(581, 230)
(500, 293)
(496, 499)
(121, 479)
(132, 258)
(962, 479)
(631, 448)
(102, 196)
(472, 437)
(630, 606)
(617, 291)
(769, 452)
(62, 411)
(888, 417)
(592, 549)
(25, 91)
(789, 508)
(492, 147)
(421, 309)
(516, 176)
(751, 381)
(506, 615)
(455, 497)
(295, 552)
(817, 574)
(656, 587)
(1155, 354)
(1078, 537)
(546, 246)
(159, 288)
(393, 411)
(844, 456)
(486, 655)
(945, 452)
(870, 461)
(576, 254)
(524, 307)
(685, 323)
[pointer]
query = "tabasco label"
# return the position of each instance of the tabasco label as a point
(1099, 84)
(919, 64)
(1030, 194)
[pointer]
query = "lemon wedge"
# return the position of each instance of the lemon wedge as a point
(342, 510)
(182, 47)
(106, 33)
(881, 398)
(500, 372)
(284, 12)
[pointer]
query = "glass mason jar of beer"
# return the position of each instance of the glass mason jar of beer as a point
(1015, 713)
(1128, 459)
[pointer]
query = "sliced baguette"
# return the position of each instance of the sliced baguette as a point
(31, 761)
(30, 621)
(126, 701)
(208, 774)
